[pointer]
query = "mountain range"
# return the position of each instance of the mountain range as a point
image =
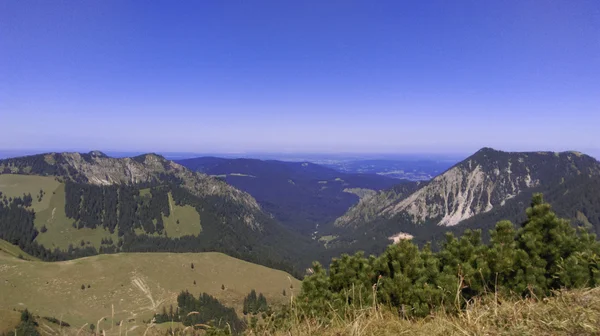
(59, 206)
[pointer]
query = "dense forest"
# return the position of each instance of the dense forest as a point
(115, 207)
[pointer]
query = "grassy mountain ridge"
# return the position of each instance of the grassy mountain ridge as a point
(300, 195)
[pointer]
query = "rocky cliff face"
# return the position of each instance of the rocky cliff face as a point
(480, 183)
(97, 168)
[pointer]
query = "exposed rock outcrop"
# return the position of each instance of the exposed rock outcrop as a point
(476, 185)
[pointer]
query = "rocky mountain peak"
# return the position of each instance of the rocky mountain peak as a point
(481, 182)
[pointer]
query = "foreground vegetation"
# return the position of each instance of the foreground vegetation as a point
(567, 312)
(546, 253)
(467, 287)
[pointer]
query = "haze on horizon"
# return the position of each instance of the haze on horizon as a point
(310, 76)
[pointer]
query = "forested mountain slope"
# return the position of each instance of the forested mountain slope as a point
(301, 195)
(62, 205)
(477, 192)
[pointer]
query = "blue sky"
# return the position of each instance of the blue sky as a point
(300, 76)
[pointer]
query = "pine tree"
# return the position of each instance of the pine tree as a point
(27, 326)
(316, 295)
(261, 304)
(545, 240)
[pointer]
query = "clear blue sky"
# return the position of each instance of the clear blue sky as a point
(307, 76)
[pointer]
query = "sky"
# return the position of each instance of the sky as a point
(300, 76)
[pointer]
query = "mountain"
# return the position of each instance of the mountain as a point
(63, 205)
(301, 195)
(489, 183)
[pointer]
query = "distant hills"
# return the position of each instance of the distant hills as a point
(301, 195)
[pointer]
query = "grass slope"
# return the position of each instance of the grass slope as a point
(182, 221)
(14, 185)
(14, 251)
(9, 319)
(136, 284)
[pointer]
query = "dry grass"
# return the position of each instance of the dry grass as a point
(575, 312)
(131, 286)
(8, 320)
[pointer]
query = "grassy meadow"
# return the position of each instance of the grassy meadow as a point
(135, 285)
(182, 221)
(14, 185)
